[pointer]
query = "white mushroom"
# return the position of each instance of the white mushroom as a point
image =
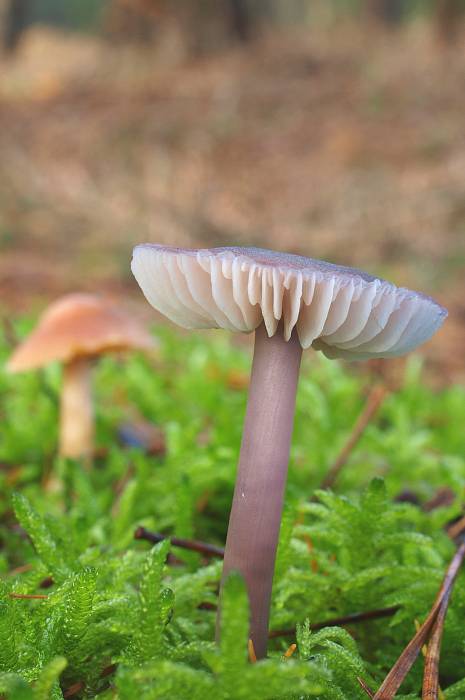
(292, 303)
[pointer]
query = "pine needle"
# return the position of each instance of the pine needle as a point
(373, 402)
(27, 596)
(431, 690)
(404, 663)
(288, 653)
(365, 687)
(354, 618)
(252, 654)
(208, 550)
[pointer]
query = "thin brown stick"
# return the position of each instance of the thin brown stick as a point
(27, 596)
(354, 618)
(404, 663)
(251, 651)
(74, 689)
(456, 529)
(431, 673)
(374, 400)
(108, 670)
(45, 583)
(365, 687)
(442, 498)
(79, 686)
(208, 550)
(290, 651)
(20, 570)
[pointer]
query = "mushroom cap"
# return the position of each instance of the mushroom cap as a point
(78, 325)
(339, 310)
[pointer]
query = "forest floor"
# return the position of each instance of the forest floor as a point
(344, 144)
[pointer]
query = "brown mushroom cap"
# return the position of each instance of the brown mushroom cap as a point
(78, 325)
(341, 311)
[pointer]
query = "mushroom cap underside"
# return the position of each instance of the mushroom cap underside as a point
(341, 311)
(78, 325)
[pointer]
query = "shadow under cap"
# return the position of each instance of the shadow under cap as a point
(341, 311)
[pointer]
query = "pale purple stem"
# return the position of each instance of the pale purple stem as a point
(256, 511)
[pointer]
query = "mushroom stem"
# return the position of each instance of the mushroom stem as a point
(261, 479)
(77, 412)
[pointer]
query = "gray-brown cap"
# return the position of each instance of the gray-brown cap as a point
(79, 325)
(341, 311)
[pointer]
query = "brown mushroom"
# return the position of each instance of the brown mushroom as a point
(75, 330)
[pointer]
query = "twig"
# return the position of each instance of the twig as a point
(251, 650)
(108, 670)
(208, 550)
(20, 570)
(442, 498)
(79, 686)
(27, 596)
(340, 621)
(431, 672)
(47, 582)
(365, 687)
(404, 663)
(74, 689)
(456, 528)
(407, 496)
(373, 402)
(290, 651)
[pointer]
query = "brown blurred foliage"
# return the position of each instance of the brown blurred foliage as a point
(448, 16)
(340, 139)
(14, 15)
(204, 25)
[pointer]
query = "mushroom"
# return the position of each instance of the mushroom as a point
(75, 330)
(292, 303)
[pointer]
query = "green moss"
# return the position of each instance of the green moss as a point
(116, 604)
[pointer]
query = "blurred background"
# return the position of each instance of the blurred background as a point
(329, 128)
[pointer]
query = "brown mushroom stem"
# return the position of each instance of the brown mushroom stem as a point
(261, 479)
(77, 411)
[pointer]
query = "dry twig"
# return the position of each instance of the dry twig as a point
(20, 570)
(365, 687)
(251, 650)
(341, 621)
(208, 550)
(431, 673)
(27, 596)
(290, 651)
(79, 686)
(456, 529)
(74, 689)
(374, 400)
(442, 498)
(404, 663)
